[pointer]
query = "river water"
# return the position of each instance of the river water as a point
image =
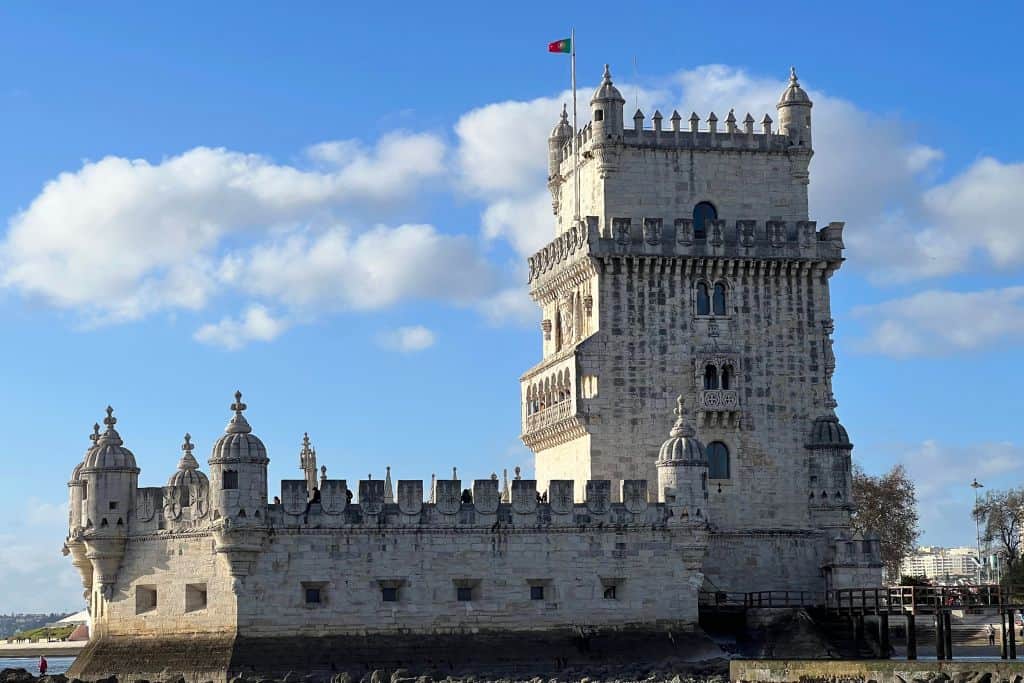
(58, 665)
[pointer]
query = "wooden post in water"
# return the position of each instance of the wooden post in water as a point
(947, 628)
(940, 635)
(858, 635)
(1002, 634)
(1011, 633)
(911, 637)
(883, 633)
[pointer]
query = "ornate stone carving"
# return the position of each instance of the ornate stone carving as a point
(634, 495)
(719, 399)
(294, 496)
(371, 496)
(333, 496)
(524, 496)
(486, 496)
(448, 496)
(560, 496)
(621, 228)
(652, 230)
(599, 496)
(145, 505)
(410, 496)
(172, 504)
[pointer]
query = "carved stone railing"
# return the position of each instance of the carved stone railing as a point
(719, 399)
(548, 416)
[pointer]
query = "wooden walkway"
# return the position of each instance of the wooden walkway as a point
(935, 602)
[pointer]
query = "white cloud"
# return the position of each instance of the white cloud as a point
(937, 322)
(121, 238)
(942, 474)
(527, 222)
(34, 576)
(511, 306)
(407, 339)
(340, 270)
(255, 324)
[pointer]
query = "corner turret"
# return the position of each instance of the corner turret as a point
(238, 471)
(683, 470)
(112, 479)
(794, 109)
(560, 135)
(606, 110)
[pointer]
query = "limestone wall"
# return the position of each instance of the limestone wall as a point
(176, 567)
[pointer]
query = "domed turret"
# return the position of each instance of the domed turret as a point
(238, 470)
(112, 478)
(683, 470)
(188, 473)
(76, 487)
(606, 110)
(795, 113)
(560, 135)
(828, 432)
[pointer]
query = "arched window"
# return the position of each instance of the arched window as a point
(718, 300)
(718, 460)
(703, 300)
(558, 330)
(710, 377)
(702, 213)
(727, 377)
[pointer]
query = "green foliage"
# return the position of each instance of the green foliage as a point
(999, 514)
(887, 506)
(45, 633)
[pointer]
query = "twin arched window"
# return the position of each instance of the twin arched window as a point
(718, 460)
(715, 380)
(702, 214)
(710, 302)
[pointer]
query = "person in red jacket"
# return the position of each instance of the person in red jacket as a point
(42, 665)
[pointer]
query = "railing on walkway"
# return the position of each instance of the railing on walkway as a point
(880, 600)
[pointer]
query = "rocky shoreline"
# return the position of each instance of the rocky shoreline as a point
(714, 671)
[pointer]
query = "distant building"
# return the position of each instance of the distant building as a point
(942, 564)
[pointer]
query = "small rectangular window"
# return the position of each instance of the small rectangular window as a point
(113, 505)
(195, 597)
(145, 599)
(611, 589)
(609, 592)
(599, 115)
(230, 480)
(314, 593)
(389, 594)
(464, 594)
(536, 592)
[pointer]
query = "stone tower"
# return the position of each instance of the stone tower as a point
(694, 270)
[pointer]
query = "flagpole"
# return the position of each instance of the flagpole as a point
(575, 132)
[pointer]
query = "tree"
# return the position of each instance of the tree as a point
(999, 514)
(887, 506)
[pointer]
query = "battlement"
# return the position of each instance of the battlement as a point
(520, 505)
(677, 238)
(735, 136)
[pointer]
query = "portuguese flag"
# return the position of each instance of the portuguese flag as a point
(564, 45)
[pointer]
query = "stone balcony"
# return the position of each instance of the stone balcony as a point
(548, 416)
(719, 400)
(552, 426)
(719, 408)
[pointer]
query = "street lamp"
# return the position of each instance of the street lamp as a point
(977, 522)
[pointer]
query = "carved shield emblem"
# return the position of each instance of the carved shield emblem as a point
(560, 496)
(371, 496)
(634, 495)
(599, 496)
(172, 503)
(448, 496)
(145, 504)
(294, 496)
(652, 230)
(333, 496)
(524, 496)
(410, 496)
(485, 496)
(200, 501)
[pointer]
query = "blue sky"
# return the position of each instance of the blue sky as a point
(329, 207)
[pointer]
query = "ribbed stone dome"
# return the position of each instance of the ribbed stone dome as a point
(828, 432)
(793, 94)
(188, 473)
(238, 444)
(109, 452)
(562, 129)
(682, 445)
(607, 91)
